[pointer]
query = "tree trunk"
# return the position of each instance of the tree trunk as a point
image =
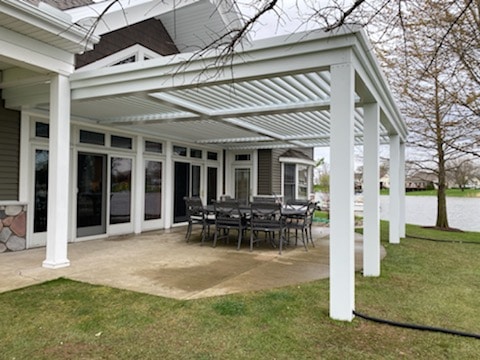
(442, 220)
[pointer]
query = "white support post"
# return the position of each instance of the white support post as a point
(371, 197)
(342, 244)
(394, 210)
(169, 176)
(58, 173)
(139, 189)
(402, 220)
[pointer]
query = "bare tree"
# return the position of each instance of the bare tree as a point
(462, 172)
(430, 49)
(420, 53)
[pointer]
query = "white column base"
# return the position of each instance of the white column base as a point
(56, 265)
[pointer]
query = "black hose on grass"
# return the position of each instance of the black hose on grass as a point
(439, 240)
(423, 327)
(417, 327)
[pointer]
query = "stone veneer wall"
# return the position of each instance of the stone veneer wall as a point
(13, 227)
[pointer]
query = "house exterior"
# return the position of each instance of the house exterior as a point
(104, 177)
(107, 126)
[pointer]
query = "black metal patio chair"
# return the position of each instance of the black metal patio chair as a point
(198, 215)
(267, 218)
(228, 216)
(299, 217)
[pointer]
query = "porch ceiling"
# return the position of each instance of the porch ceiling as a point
(281, 111)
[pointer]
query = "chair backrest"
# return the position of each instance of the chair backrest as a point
(298, 203)
(263, 199)
(266, 216)
(227, 213)
(194, 207)
(310, 212)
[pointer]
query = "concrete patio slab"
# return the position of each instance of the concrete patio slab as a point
(162, 263)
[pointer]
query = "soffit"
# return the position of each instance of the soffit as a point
(44, 23)
(195, 26)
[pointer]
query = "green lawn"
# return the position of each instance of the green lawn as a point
(422, 282)
(450, 192)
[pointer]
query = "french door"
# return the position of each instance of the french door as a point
(91, 194)
(188, 182)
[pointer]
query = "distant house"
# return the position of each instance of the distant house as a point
(421, 181)
(385, 182)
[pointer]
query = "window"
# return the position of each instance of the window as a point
(128, 60)
(42, 130)
(41, 191)
(302, 171)
(195, 153)
(242, 157)
(289, 182)
(153, 190)
(90, 137)
(196, 180)
(295, 181)
(121, 142)
(153, 147)
(212, 155)
(180, 150)
(121, 190)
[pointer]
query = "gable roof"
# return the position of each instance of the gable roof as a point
(295, 154)
(192, 24)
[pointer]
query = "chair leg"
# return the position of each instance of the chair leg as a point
(189, 232)
(240, 232)
(215, 238)
(203, 234)
(280, 241)
(305, 238)
(311, 237)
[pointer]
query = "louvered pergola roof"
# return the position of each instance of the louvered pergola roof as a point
(274, 93)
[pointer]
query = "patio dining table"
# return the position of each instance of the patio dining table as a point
(246, 209)
(288, 212)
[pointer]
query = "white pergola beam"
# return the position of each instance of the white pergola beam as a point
(342, 245)
(189, 71)
(371, 198)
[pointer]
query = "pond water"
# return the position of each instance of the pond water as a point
(463, 213)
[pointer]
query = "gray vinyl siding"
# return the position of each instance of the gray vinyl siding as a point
(277, 171)
(149, 33)
(264, 186)
(9, 153)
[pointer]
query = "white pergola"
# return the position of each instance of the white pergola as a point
(301, 90)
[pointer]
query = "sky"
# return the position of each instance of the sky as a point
(288, 21)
